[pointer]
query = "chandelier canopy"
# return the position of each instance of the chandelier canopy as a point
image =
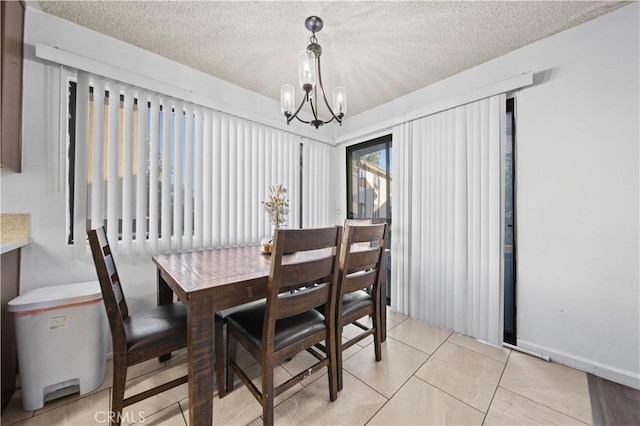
(310, 79)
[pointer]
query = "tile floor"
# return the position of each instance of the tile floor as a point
(427, 376)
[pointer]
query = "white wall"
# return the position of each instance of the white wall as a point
(578, 189)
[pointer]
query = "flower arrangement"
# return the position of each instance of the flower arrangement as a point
(277, 207)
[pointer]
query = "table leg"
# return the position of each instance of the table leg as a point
(200, 340)
(165, 296)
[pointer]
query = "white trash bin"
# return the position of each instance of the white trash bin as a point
(61, 337)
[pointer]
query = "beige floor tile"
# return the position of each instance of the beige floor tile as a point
(13, 413)
(508, 408)
(352, 350)
(395, 316)
(390, 323)
(556, 386)
(495, 352)
(418, 403)
(170, 416)
(145, 368)
(399, 362)
(350, 331)
(240, 407)
(355, 405)
(160, 401)
(463, 374)
(301, 362)
(90, 410)
(420, 335)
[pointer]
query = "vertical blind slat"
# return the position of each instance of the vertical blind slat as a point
(165, 181)
(141, 176)
(97, 154)
(127, 172)
(188, 175)
(82, 159)
(211, 192)
(178, 149)
(154, 157)
(113, 178)
(198, 214)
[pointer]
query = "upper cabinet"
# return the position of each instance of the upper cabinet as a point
(12, 32)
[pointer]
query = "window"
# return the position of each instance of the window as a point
(165, 175)
(369, 180)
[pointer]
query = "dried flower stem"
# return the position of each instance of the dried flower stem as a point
(277, 206)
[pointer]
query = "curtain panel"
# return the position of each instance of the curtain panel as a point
(447, 219)
(165, 175)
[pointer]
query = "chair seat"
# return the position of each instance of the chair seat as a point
(352, 302)
(289, 330)
(355, 301)
(161, 326)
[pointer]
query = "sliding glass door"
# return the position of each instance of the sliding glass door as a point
(369, 186)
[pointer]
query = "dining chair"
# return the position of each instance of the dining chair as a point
(144, 336)
(303, 276)
(359, 291)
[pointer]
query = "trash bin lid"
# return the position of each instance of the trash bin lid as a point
(56, 297)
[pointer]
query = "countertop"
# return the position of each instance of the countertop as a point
(14, 231)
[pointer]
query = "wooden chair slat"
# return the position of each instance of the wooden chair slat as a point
(299, 274)
(359, 281)
(304, 300)
(363, 259)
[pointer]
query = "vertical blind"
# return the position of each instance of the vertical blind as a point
(316, 189)
(165, 175)
(446, 263)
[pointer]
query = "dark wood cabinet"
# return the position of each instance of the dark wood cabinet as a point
(12, 32)
(10, 275)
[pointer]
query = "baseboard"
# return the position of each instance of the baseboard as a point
(618, 375)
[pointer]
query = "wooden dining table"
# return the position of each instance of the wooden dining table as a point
(206, 282)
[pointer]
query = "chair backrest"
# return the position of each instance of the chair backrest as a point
(361, 258)
(112, 294)
(304, 273)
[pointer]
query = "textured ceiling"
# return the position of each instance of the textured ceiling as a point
(377, 50)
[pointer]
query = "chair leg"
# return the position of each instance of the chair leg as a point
(377, 336)
(338, 357)
(117, 391)
(332, 352)
(232, 349)
(267, 395)
(219, 354)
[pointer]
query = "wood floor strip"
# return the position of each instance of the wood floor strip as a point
(613, 404)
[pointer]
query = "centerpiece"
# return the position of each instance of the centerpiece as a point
(277, 208)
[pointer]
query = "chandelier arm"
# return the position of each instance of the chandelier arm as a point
(313, 108)
(324, 96)
(301, 120)
(295, 114)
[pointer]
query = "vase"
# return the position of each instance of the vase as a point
(266, 244)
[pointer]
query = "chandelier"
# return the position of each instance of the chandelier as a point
(310, 79)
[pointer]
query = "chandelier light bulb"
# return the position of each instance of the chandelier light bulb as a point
(306, 68)
(287, 98)
(339, 100)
